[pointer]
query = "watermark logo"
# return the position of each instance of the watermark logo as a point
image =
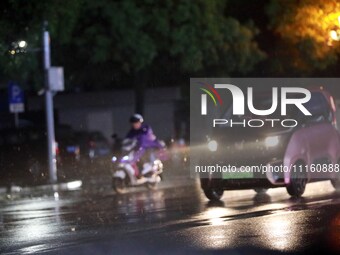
(245, 128)
(239, 99)
(288, 96)
(209, 90)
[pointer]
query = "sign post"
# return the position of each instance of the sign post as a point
(16, 101)
(54, 81)
(52, 160)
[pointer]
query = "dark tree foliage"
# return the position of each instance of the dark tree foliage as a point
(107, 44)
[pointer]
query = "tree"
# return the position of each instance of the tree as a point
(304, 27)
(106, 43)
(22, 20)
(149, 40)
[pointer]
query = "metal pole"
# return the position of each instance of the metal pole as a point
(52, 161)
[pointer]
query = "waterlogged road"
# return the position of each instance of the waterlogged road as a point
(176, 219)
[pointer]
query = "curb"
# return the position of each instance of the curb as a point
(64, 186)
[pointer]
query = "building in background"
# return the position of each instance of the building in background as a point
(109, 111)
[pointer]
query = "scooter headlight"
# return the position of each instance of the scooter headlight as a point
(114, 159)
(125, 158)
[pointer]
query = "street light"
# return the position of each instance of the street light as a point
(334, 34)
(18, 47)
(22, 44)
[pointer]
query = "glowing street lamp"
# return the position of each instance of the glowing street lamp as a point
(334, 34)
(18, 47)
(22, 44)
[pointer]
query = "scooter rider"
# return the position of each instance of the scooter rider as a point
(146, 140)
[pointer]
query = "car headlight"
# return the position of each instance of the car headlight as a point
(212, 145)
(271, 141)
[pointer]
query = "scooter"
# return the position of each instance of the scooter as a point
(124, 170)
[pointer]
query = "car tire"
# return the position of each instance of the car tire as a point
(260, 191)
(297, 184)
(213, 194)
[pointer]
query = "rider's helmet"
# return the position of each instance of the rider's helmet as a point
(136, 118)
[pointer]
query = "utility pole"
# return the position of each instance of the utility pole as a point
(52, 161)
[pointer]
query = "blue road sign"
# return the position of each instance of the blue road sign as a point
(15, 98)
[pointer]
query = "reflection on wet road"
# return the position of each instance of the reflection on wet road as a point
(177, 220)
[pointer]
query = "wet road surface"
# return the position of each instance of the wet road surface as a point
(175, 219)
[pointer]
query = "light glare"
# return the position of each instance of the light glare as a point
(22, 44)
(271, 141)
(212, 145)
(334, 35)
